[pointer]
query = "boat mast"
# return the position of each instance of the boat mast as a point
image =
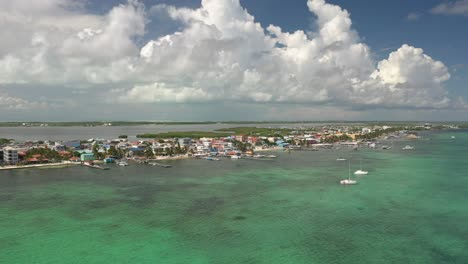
(349, 170)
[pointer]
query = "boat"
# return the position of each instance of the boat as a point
(211, 158)
(161, 165)
(408, 147)
(235, 157)
(340, 159)
(348, 181)
(258, 156)
(453, 137)
(360, 171)
(271, 156)
(123, 163)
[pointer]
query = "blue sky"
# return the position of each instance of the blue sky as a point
(107, 57)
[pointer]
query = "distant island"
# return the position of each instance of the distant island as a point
(233, 142)
(459, 124)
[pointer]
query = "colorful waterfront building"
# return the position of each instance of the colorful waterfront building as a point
(87, 157)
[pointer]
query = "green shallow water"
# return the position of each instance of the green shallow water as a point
(411, 208)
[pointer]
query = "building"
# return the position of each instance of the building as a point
(75, 144)
(87, 157)
(10, 156)
(366, 130)
(183, 142)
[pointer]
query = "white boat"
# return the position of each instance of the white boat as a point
(258, 156)
(453, 137)
(360, 171)
(235, 157)
(122, 163)
(348, 181)
(408, 147)
(212, 158)
(271, 156)
(340, 159)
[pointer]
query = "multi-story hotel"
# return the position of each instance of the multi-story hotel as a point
(10, 156)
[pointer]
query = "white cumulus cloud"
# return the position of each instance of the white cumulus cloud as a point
(219, 54)
(10, 103)
(459, 7)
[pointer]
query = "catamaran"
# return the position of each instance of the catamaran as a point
(348, 181)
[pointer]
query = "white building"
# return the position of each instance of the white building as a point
(366, 130)
(10, 156)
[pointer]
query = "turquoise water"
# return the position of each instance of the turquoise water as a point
(411, 208)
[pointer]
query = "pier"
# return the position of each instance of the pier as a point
(95, 166)
(161, 165)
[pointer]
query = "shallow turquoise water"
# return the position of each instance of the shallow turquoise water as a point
(411, 208)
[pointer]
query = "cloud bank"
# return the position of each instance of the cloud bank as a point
(220, 54)
(459, 7)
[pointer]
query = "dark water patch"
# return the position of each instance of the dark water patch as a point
(7, 197)
(42, 222)
(8, 242)
(101, 204)
(205, 206)
(281, 201)
(154, 223)
(80, 215)
(239, 218)
(227, 234)
(441, 256)
(143, 195)
(329, 245)
(41, 202)
(111, 227)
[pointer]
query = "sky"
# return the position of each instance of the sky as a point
(223, 60)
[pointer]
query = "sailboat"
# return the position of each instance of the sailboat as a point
(360, 171)
(348, 181)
